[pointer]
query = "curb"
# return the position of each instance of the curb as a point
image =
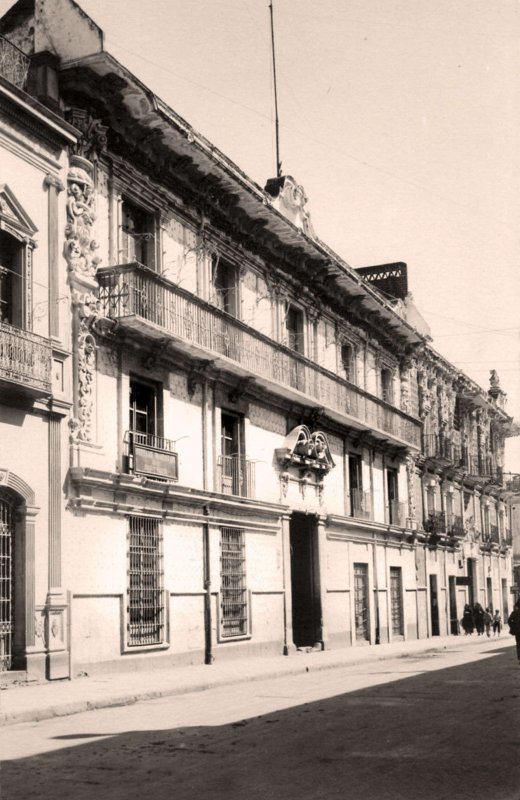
(68, 708)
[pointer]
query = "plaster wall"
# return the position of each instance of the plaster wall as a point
(22, 433)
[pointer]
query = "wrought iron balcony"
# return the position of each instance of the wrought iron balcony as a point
(14, 64)
(236, 476)
(435, 522)
(145, 302)
(441, 448)
(397, 513)
(481, 466)
(360, 504)
(25, 361)
(456, 525)
(151, 456)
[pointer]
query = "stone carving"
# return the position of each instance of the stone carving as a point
(80, 245)
(86, 372)
(410, 478)
(86, 306)
(93, 139)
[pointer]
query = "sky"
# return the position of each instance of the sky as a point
(401, 119)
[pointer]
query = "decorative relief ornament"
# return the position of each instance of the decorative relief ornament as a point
(410, 478)
(93, 139)
(80, 245)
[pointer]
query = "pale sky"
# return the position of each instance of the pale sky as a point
(401, 118)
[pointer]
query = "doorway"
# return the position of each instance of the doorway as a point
(305, 587)
(434, 605)
(454, 617)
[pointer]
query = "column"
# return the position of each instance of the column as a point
(54, 186)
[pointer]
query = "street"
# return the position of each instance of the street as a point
(432, 725)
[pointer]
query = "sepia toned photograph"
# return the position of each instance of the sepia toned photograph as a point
(259, 400)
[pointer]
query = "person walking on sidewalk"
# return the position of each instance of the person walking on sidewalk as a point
(467, 620)
(497, 622)
(514, 627)
(478, 615)
(487, 621)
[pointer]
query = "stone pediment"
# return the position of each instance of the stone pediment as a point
(13, 218)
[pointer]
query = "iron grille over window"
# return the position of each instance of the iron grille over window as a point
(145, 583)
(6, 584)
(233, 603)
(396, 600)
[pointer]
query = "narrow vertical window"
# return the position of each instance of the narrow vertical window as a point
(387, 393)
(138, 235)
(396, 600)
(225, 282)
(348, 362)
(294, 328)
(145, 583)
(233, 590)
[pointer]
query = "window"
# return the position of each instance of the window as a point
(12, 292)
(138, 235)
(359, 500)
(7, 573)
(145, 583)
(348, 362)
(396, 601)
(236, 472)
(394, 510)
(225, 283)
(362, 626)
(233, 599)
(294, 328)
(147, 451)
(387, 385)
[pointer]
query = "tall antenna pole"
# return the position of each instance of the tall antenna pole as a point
(278, 162)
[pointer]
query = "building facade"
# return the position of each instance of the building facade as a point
(242, 445)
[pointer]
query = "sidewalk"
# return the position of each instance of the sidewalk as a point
(26, 703)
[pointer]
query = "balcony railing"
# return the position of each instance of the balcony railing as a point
(397, 513)
(481, 466)
(435, 522)
(236, 476)
(151, 456)
(146, 300)
(360, 504)
(25, 360)
(441, 448)
(14, 64)
(456, 525)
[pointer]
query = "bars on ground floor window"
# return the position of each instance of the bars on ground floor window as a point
(145, 582)
(233, 596)
(6, 583)
(396, 601)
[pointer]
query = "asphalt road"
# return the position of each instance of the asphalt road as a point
(434, 725)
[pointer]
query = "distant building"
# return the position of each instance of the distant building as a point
(217, 438)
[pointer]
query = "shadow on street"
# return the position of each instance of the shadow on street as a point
(453, 733)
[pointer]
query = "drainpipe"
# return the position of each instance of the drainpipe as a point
(208, 654)
(374, 546)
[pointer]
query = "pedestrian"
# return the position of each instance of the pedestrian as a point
(497, 623)
(514, 627)
(467, 620)
(487, 621)
(478, 616)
